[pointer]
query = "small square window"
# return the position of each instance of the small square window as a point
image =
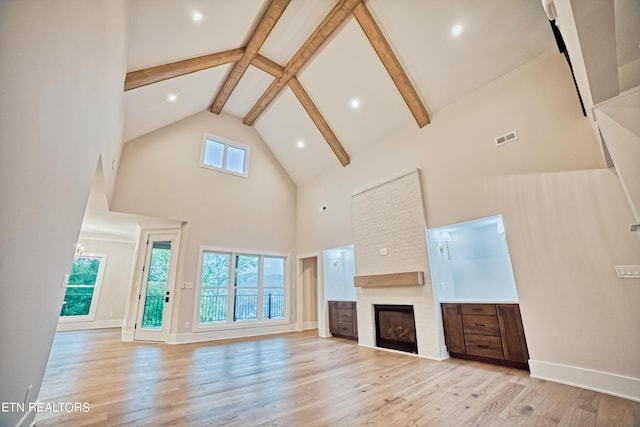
(224, 156)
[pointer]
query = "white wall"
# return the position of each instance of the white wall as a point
(464, 175)
(112, 299)
(160, 176)
(53, 128)
(339, 270)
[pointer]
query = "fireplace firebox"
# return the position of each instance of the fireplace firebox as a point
(396, 327)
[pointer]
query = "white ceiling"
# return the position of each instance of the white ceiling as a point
(497, 36)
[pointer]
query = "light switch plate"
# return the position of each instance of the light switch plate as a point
(628, 271)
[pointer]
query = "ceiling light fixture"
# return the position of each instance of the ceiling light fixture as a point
(197, 16)
(300, 143)
(355, 103)
(172, 97)
(456, 30)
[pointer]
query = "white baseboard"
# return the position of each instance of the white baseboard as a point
(96, 324)
(324, 333)
(24, 421)
(437, 359)
(602, 382)
(225, 334)
(127, 336)
(309, 325)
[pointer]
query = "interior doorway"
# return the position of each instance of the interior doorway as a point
(309, 293)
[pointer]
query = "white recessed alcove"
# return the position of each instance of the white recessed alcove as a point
(470, 262)
(339, 269)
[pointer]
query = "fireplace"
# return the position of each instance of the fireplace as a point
(396, 327)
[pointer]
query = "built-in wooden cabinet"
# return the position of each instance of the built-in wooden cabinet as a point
(343, 321)
(486, 332)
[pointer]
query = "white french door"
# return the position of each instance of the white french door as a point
(156, 290)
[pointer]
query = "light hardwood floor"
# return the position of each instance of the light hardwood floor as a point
(299, 379)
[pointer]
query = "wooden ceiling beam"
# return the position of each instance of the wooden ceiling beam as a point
(329, 24)
(391, 63)
(319, 121)
(268, 66)
(271, 15)
(159, 73)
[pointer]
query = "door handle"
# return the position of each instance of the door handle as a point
(166, 298)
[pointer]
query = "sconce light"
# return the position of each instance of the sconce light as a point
(79, 250)
(445, 239)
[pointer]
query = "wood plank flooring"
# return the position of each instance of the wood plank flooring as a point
(299, 379)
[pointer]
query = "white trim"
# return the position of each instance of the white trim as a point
(309, 325)
(26, 416)
(602, 382)
(422, 356)
(192, 337)
(227, 143)
(96, 324)
(324, 333)
(95, 297)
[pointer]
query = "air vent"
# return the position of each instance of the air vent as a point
(511, 136)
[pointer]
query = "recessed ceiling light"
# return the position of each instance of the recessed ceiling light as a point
(456, 30)
(300, 143)
(355, 103)
(172, 97)
(197, 16)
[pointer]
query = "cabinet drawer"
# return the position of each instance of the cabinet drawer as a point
(485, 309)
(484, 345)
(345, 304)
(345, 315)
(345, 328)
(480, 325)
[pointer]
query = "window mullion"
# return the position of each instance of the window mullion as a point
(259, 284)
(231, 288)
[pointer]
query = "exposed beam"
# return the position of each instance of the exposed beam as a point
(319, 121)
(159, 73)
(274, 11)
(268, 66)
(329, 24)
(391, 63)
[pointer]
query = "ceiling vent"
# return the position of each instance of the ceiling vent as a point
(511, 136)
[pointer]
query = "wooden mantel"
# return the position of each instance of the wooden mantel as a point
(412, 278)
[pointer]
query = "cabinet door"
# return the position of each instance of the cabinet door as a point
(333, 317)
(453, 332)
(514, 344)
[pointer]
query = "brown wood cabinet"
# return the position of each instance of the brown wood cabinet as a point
(343, 321)
(486, 332)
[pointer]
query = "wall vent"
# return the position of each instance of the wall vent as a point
(511, 136)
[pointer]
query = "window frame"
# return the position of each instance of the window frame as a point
(93, 308)
(229, 323)
(227, 143)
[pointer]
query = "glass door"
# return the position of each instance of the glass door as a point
(155, 291)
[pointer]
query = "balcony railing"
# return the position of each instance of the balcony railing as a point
(153, 309)
(213, 308)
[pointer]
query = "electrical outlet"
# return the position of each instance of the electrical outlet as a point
(628, 271)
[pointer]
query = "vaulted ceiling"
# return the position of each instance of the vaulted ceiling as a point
(294, 69)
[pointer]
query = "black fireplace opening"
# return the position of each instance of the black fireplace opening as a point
(396, 327)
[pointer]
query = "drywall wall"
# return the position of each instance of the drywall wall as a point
(160, 176)
(461, 166)
(55, 99)
(115, 283)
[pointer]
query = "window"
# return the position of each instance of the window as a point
(236, 288)
(225, 156)
(83, 288)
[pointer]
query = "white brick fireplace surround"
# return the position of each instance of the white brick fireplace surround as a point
(389, 233)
